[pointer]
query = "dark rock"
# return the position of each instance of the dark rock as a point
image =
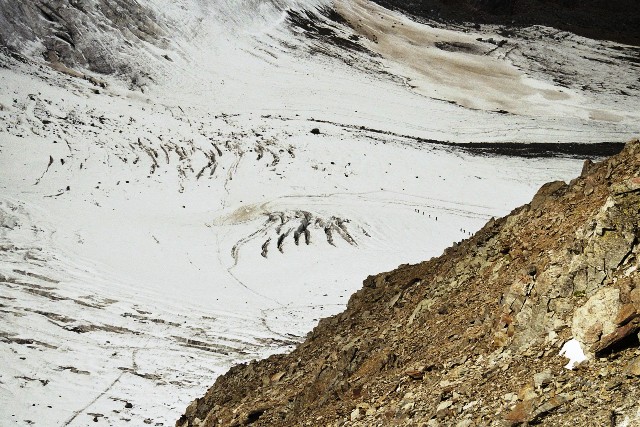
(547, 407)
(532, 270)
(586, 167)
(617, 20)
(414, 374)
(616, 336)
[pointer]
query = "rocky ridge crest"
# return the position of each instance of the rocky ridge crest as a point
(615, 20)
(473, 337)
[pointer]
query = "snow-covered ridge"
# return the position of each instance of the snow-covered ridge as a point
(233, 182)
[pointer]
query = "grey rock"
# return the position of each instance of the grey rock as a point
(633, 368)
(597, 316)
(542, 379)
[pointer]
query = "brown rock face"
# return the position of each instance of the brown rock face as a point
(472, 338)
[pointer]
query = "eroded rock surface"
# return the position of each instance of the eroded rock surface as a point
(79, 36)
(472, 337)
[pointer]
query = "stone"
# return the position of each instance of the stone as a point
(510, 397)
(442, 409)
(277, 376)
(633, 368)
(424, 305)
(527, 392)
(627, 313)
(542, 379)
(470, 405)
(616, 336)
(547, 407)
(634, 296)
(355, 414)
(628, 186)
(593, 334)
(444, 405)
(407, 405)
(586, 167)
(521, 413)
(602, 307)
(588, 189)
(500, 339)
(547, 191)
(414, 374)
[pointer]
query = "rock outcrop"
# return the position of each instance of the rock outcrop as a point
(473, 337)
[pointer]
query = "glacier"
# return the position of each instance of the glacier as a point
(188, 185)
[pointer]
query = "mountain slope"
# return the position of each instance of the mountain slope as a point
(617, 20)
(472, 337)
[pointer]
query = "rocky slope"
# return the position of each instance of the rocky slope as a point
(473, 337)
(80, 38)
(617, 20)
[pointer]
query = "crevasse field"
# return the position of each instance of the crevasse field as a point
(153, 236)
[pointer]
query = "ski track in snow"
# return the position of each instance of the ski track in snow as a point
(149, 241)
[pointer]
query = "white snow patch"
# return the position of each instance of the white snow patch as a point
(572, 350)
